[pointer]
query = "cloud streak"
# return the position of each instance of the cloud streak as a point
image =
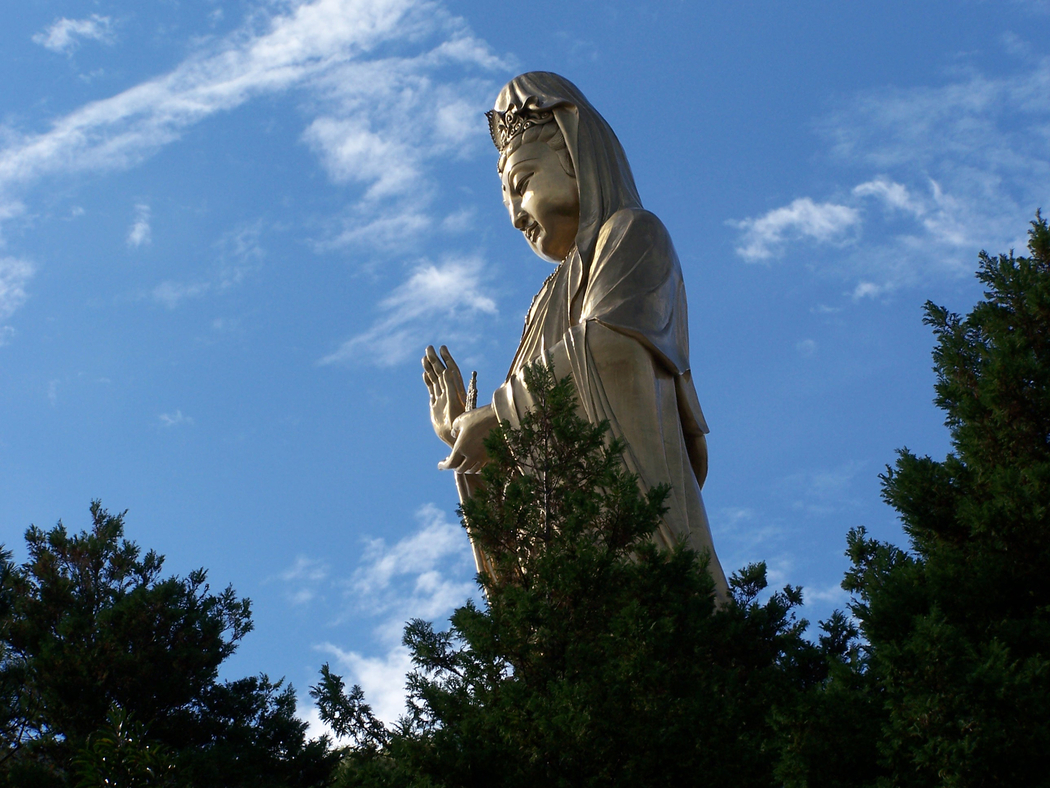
(305, 578)
(423, 575)
(409, 578)
(951, 170)
(426, 575)
(140, 233)
(64, 35)
(14, 274)
(453, 290)
(376, 123)
(309, 42)
(175, 419)
(239, 253)
(764, 236)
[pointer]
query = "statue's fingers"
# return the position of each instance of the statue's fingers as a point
(452, 462)
(432, 380)
(449, 361)
(430, 388)
(432, 357)
(429, 368)
(451, 364)
(435, 378)
(453, 382)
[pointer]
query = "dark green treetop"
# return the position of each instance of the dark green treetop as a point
(953, 682)
(108, 674)
(598, 658)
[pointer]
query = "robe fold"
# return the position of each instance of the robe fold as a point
(621, 332)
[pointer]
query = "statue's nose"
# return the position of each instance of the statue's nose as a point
(518, 217)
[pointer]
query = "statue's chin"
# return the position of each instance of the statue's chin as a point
(549, 256)
(554, 245)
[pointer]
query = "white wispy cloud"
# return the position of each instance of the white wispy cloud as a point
(823, 491)
(140, 233)
(14, 275)
(459, 221)
(353, 152)
(893, 195)
(369, 135)
(743, 535)
(9, 209)
(763, 237)
(411, 577)
(64, 35)
(304, 568)
(869, 290)
(453, 290)
(828, 595)
(317, 44)
(239, 252)
(171, 294)
(953, 169)
(806, 347)
(391, 231)
(382, 678)
(426, 574)
(377, 123)
(305, 579)
(175, 419)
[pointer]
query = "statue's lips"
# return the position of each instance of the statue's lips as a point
(532, 232)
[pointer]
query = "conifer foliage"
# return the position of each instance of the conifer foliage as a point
(960, 627)
(952, 686)
(598, 659)
(108, 675)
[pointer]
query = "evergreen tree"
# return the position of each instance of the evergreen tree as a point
(953, 683)
(108, 674)
(599, 659)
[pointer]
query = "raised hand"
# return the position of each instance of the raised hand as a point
(448, 396)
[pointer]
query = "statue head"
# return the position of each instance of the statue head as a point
(538, 180)
(573, 171)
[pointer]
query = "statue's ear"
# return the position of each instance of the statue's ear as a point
(568, 120)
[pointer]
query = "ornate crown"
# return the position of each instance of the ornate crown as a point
(505, 126)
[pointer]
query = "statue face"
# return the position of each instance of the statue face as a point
(543, 200)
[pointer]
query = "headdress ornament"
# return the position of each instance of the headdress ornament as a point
(505, 126)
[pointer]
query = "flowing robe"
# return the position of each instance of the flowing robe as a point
(620, 329)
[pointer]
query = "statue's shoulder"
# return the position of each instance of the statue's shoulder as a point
(635, 216)
(635, 220)
(637, 226)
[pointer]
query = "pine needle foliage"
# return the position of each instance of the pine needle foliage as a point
(598, 658)
(952, 687)
(109, 675)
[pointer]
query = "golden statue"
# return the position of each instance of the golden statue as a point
(612, 314)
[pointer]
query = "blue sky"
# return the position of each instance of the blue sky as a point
(228, 229)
